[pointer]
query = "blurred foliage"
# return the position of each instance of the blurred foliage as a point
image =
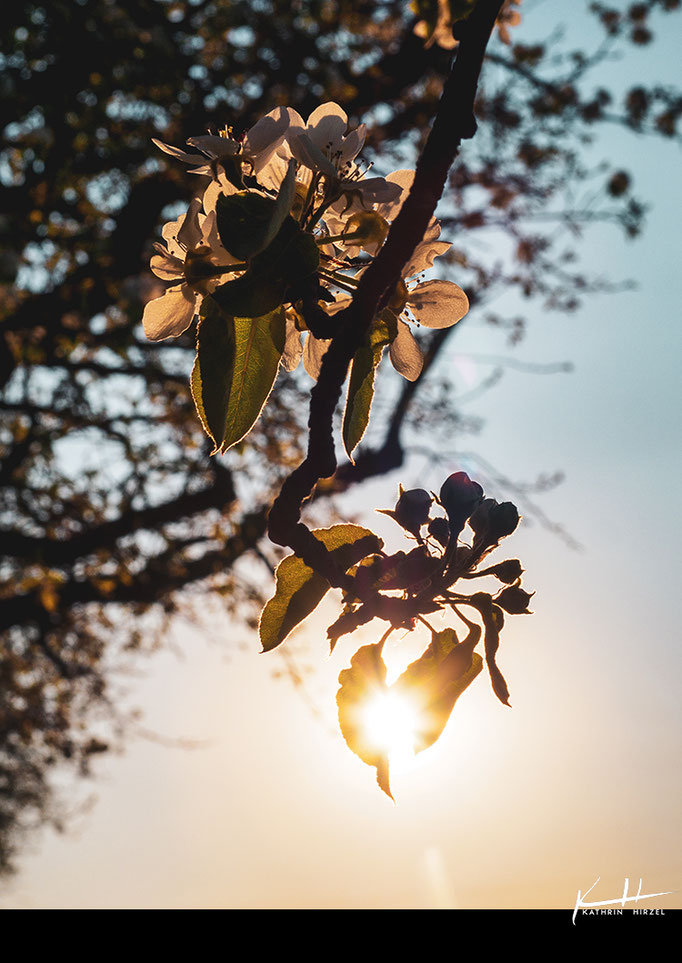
(112, 515)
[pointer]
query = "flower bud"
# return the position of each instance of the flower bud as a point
(460, 496)
(504, 519)
(514, 600)
(508, 571)
(412, 509)
(494, 520)
(440, 529)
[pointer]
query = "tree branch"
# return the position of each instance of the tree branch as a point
(453, 123)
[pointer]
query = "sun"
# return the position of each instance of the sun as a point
(391, 722)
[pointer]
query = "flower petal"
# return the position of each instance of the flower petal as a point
(211, 195)
(169, 315)
(308, 153)
(406, 355)
(167, 266)
(265, 136)
(337, 215)
(275, 170)
(327, 126)
(214, 146)
(403, 178)
(205, 170)
(177, 153)
(314, 351)
(438, 304)
(295, 119)
(376, 189)
(352, 144)
(189, 234)
(293, 348)
(425, 254)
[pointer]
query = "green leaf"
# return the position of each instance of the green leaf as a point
(359, 686)
(259, 343)
(211, 376)
(435, 681)
(251, 295)
(429, 688)
(244, 221)
(234, 371)
(248, 222)
(291, 256)
(361, 386)
(299, 589)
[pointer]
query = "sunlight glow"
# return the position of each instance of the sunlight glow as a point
(391, 723)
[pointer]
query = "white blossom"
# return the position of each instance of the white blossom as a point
(433, 304)
(325, 145)
(255, 148)
(190, 254)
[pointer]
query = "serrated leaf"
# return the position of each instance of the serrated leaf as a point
(359, 686)
(435, 681)
(429, 688)
(299, 589)
(361, 386)
(211, 376)
(259, 343)
(234, 371)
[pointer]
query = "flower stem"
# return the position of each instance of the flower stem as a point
(339, 237)
(340, 280)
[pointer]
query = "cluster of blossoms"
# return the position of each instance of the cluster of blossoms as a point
(294, 185)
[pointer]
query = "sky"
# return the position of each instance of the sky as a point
(512, 808)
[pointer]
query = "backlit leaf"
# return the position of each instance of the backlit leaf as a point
(435, 681)
(359, 686)
(361, 386)
(292, 255)
(299, 589)
(259, 343)
(251, 295)
(246, 222)
(212, 372)
(428, 688)
(234, 371)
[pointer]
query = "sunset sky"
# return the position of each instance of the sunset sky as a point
(512, 808)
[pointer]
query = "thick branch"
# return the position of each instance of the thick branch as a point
(154, 583)
(64, 552)
(454, 122)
